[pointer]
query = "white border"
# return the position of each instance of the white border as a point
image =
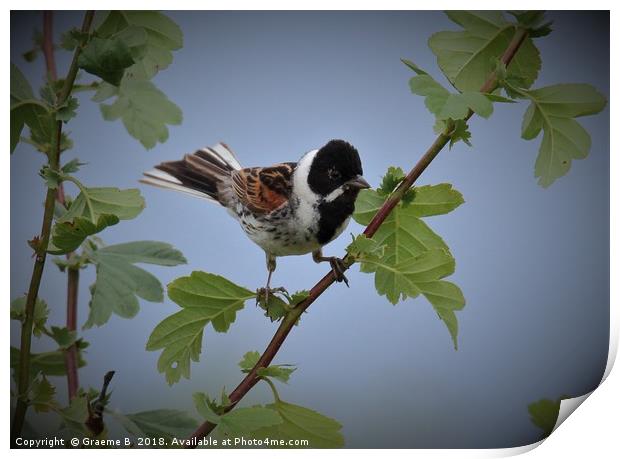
(591, 432)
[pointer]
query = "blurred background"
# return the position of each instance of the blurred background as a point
(533, 263)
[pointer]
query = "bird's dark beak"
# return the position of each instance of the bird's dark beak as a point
(358, 183)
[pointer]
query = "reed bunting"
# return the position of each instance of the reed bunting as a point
(288, 208)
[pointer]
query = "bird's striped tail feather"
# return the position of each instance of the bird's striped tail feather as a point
(197, 174)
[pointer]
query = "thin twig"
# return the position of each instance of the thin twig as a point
(291, 318)
(73, 274)
(41, 252)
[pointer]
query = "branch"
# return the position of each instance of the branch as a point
(290, 319)
(39, 265)
(73, 274)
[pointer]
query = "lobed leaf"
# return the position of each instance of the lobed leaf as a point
(74, 416)
(301, 423)
(544, 414)
(119, 283)
(67, 110)
(48, 363)
(150, 35)
(205, 298)
(91, 212)
(41, 395)
(91, 203)
(41, 313)
(242, 421)
(68, 236)
(204, 407)
(467, 57)
(280, 372)
(145, 111)
(414, 259)
(27, 110)
(553, 109)
(445, 105)
(106, 58)
(64, 337)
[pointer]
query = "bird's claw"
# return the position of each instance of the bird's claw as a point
(338, 268)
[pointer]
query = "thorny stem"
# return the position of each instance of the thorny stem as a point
(73, 274)
(291, 318)
(37, 271)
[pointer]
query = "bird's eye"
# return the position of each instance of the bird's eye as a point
(333, 174)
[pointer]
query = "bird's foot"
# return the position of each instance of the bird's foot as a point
(338, 268)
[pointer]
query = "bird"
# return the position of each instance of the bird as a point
(291, 208)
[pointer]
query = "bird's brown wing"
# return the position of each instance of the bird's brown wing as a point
(264, 189)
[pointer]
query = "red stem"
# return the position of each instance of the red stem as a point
(73, 275)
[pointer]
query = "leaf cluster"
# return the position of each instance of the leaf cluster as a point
(406, 256)
(277, 422)
(130, 48)
(469, 56)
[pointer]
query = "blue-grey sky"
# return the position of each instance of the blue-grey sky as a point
(532, 262)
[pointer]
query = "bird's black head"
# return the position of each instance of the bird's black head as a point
(336, 165)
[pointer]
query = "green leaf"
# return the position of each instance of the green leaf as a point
(216, 297)
(280, 372)
(204, 407)
(460, 132)
(467, 57)
(150, 35)
(400, 280)
(91, 212)
(119, 282)
(275, 308)
(298, 297)
(144, 110)
(365, 246)
(544, 414)
(64, 337)
(552, 109)
(91, 203)
(435, 200)
(20, 88)
(68, 236)
(301, 423)
(242, 421)
(73, 38)
(68, 110)
(413, 67)
(104, 92)
(74, 416)
(205, 298)
(41, 395)
(164, 423)
(25, 109)
(391, 180)
(415, 259)
(446, 298)
(445, 105)
(41, 312)
(533, 21)
(72, 166)
(106, 58)
(52, 177)
(249, 360)
(48, 363)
